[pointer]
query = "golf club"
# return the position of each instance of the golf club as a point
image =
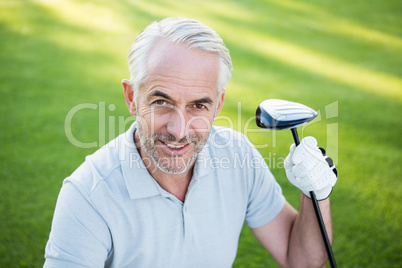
(280, 114)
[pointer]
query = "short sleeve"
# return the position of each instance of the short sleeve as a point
(79, 236)
(265, 195)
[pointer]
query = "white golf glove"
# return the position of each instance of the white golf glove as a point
(309, 169)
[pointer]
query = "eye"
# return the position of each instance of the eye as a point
(160, 102)
(199, 106)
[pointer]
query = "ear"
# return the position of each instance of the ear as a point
(129, 96)
(220, 103)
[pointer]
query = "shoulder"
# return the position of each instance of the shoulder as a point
(97, 168)
(227, 138)
(220, 132)
(232, 152)
(226, 142)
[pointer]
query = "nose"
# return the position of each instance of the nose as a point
(177, 124)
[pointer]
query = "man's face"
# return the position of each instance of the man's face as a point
(177, 105)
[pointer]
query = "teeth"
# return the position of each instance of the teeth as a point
(171, 146)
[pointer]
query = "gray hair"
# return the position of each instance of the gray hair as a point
(185, 31)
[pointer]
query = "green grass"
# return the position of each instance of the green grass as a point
(55, 55)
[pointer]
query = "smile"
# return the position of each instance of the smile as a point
(172, 146)
(175, 149)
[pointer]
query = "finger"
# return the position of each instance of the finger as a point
(329, 161)
(335, 172)
(288, 163)
(327, 177)
(322, 151)
(292, 149)
(310, 142)
(306, 150)
(288, 160)
(304, 167)
(314, 178)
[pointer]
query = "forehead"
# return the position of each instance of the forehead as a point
(178, 63)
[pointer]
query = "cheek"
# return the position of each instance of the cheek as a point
(145, 118)
(151, 120)
(201, 124)
(144, 111)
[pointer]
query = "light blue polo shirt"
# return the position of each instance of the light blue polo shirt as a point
(112, 213)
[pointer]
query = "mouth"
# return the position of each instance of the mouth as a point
(174, 148)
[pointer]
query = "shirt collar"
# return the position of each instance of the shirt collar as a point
(139, 182)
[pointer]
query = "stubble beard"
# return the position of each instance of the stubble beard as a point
(170, 164)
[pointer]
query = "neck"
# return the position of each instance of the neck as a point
(176, 184)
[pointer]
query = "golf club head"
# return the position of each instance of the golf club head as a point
(282, 114)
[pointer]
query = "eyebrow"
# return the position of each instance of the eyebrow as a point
(158, 93)
(205, 100)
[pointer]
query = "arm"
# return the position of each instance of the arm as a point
(299, 243)
(79, 236)
(293, 238)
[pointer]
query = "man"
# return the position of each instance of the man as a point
(174, 191)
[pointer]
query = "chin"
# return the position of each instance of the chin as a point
(175, 166)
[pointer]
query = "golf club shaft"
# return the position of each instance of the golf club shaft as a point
(295, 136)
(323, 230)
(318, 213)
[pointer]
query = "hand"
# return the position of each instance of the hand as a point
(309, 169)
